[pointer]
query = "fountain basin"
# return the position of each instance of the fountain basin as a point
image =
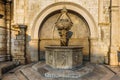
(64, 57)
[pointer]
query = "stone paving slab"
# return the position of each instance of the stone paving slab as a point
(100, 72)
(20, 75)
(97, 74)
(69, 73)
(108, 74)
(31, 74)
(116, 77)
(115, 69)
(10, 77)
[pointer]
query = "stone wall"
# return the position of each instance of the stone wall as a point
(115, 29)
(26, 11)
(3, 33)
(19, 53)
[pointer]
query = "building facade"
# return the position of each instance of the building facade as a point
(27, 26)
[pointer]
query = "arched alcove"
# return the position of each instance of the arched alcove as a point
(37, 21)
(48, 34)
(53, 10)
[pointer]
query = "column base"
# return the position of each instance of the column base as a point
(8, 57)
(113, 59)
(2, 58)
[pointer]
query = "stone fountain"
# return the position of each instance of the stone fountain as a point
(64, 59)
(64, 56)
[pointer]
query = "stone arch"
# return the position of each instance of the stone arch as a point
(58, 6)
(48, 34)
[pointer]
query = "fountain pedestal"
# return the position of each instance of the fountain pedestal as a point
(64, 57)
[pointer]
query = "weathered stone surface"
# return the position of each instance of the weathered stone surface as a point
(95, 13)
(6, 66)
(97, 72)
(20, 45)
(3, 32)
(64, 57)
(31, 74)
(69, 73)
(31, 10)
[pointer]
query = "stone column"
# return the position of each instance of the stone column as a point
(3, 33)
(114, 32)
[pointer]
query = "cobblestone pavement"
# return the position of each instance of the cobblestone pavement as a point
(36, 72)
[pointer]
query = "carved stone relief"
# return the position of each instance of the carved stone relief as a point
(76, 57)
(64, 57)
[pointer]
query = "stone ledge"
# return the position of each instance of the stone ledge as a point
(36, 71)
(69, 73)
(6, 66)
(64, 57)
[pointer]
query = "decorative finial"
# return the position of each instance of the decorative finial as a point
(64, 10)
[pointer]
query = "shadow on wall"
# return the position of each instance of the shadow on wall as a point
(69, 35)
(28, 48)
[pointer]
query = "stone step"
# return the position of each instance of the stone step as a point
(35, 72)
(20, 67)
(16, 73)
(10, 77)
(109, 74)
(15, 69)
(20, 75)
(99, 73)
(28, 65)
(31, 74)
(6, 66)
(38, 65)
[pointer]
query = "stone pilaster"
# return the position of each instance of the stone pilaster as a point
(114, 32)
(95, 56)
(20, 45)
(8, 19)
(3, 33)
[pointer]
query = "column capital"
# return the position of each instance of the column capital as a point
(20, 26)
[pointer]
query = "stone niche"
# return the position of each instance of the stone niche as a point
(79, 37)
(64, 57)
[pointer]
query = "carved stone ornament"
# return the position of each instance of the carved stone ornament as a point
(63, 25)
